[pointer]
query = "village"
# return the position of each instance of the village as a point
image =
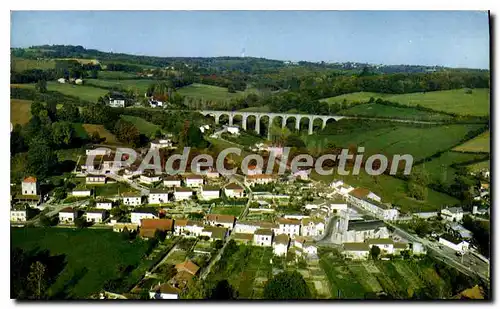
(290, 214)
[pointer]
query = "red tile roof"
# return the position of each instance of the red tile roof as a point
(360, 193)
(30, 179)
(220, 218)
(157, 224)
(187, 266)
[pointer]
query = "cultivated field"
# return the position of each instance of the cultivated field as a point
(20, 111)
(227, 210)
(453, 101)
(103, 132)
(91, 256)
(384, 111)
(19, 64)
(116, 75)
(208, 92)
(476, 167)
(86, 93)
(391, 139)
(138, 85)
(398, 279)
(144, 126)
(480, 143)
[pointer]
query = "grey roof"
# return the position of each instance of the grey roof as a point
(365, 225)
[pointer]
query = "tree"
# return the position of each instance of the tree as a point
(417, 185)
(41, 159)
(287, 285)
(37, 280)
(222, 291)
(36, 107)
(95, 137)
(41, 86)
(231, 88)
(63, 133)
(374, 252)
(45, 221)
(70, 113)
(80, 223)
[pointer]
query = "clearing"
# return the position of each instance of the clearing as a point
(103, 132)
(145, 127)
(20, 111)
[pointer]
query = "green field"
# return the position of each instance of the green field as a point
(116, 75)
(476, 167)
(138, 85)
(399, 279)
(86, 93)
(393, 190)
(208, 92)
(440, 169)
(384, 111)
(480, 143)
(112, 189)
(80, 131)
(20, 111)
(246, 270)
(103, 132)
(144, 127)
(20, 64)
(453, 101)
(229, 210)
(92, 256)
(258, 109)
(388, 139)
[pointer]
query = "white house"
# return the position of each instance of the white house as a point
(209, 193)
(97, 151)
(104, 204)
(226, 221)
(157, 196)
(356, 250)
(149, 178)
(61, 80)
(460, 230)
(95, 179)
(234, 190)
(161, 143)
(259, 179)
(132, 198)
(215, 232)
(453, 214)
(146, 213)
(263, 237)
(181, 193)
(30, 186)
(18, 215)
(254, 170)
(252, 226)
(233, 130)
(78, 81)
(117, 101)
(81, 192)
(305, 246)
(194, 181)
(344, 190)
(171, 181)
(312, 227)
(67, 215)
(368, 201)
(204, 128)
(188, 227)
(96, 216)
(280, 244)
(336, 183)
(290, 227)
(302, 174)
(386, 245)
(455, 244)
(164, 291)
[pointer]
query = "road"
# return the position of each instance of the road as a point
(214, 260)
(468, 264)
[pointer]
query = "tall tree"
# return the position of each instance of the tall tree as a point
(41, 86)
(41, 159)
(287, 285)
(37, 280)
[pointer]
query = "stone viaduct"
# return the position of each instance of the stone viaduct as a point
(271, 116)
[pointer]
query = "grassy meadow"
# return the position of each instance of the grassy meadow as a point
(103, 132)
(144, 126)
(138, 85)
(384, 111)
(91, 256)
(480, 143)
(453, 101)
(21, 64)
(86, 93)
(20, 111)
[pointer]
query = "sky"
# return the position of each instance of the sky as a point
(446, 38)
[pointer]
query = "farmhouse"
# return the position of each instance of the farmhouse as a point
(252, 226)
(81, 192)
(67, 215)
(161, 143)
(95, 179)
(254, 170)
(263, 237)
(454, 243)
(30, 186)
(359, 231)
(460, 230)
(158, 196)
(280, 244)
(455, 214)
(187, 266)
(386, 245)
(97, 151)
(194, 181)
(132, 198)
(226, 221)
(117, 100)
(149, 177)
(120, 226)
(171, 181)
(290, 227)
(259, 179)
(96, 216)
(181, 193)
(368, 201)
(356, 250)
(143, 213)
(305, 247)
(234, 190)
(150, 226)
(210, 193)
(61, 80)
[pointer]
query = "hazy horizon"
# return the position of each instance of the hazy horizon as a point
(457, 39)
